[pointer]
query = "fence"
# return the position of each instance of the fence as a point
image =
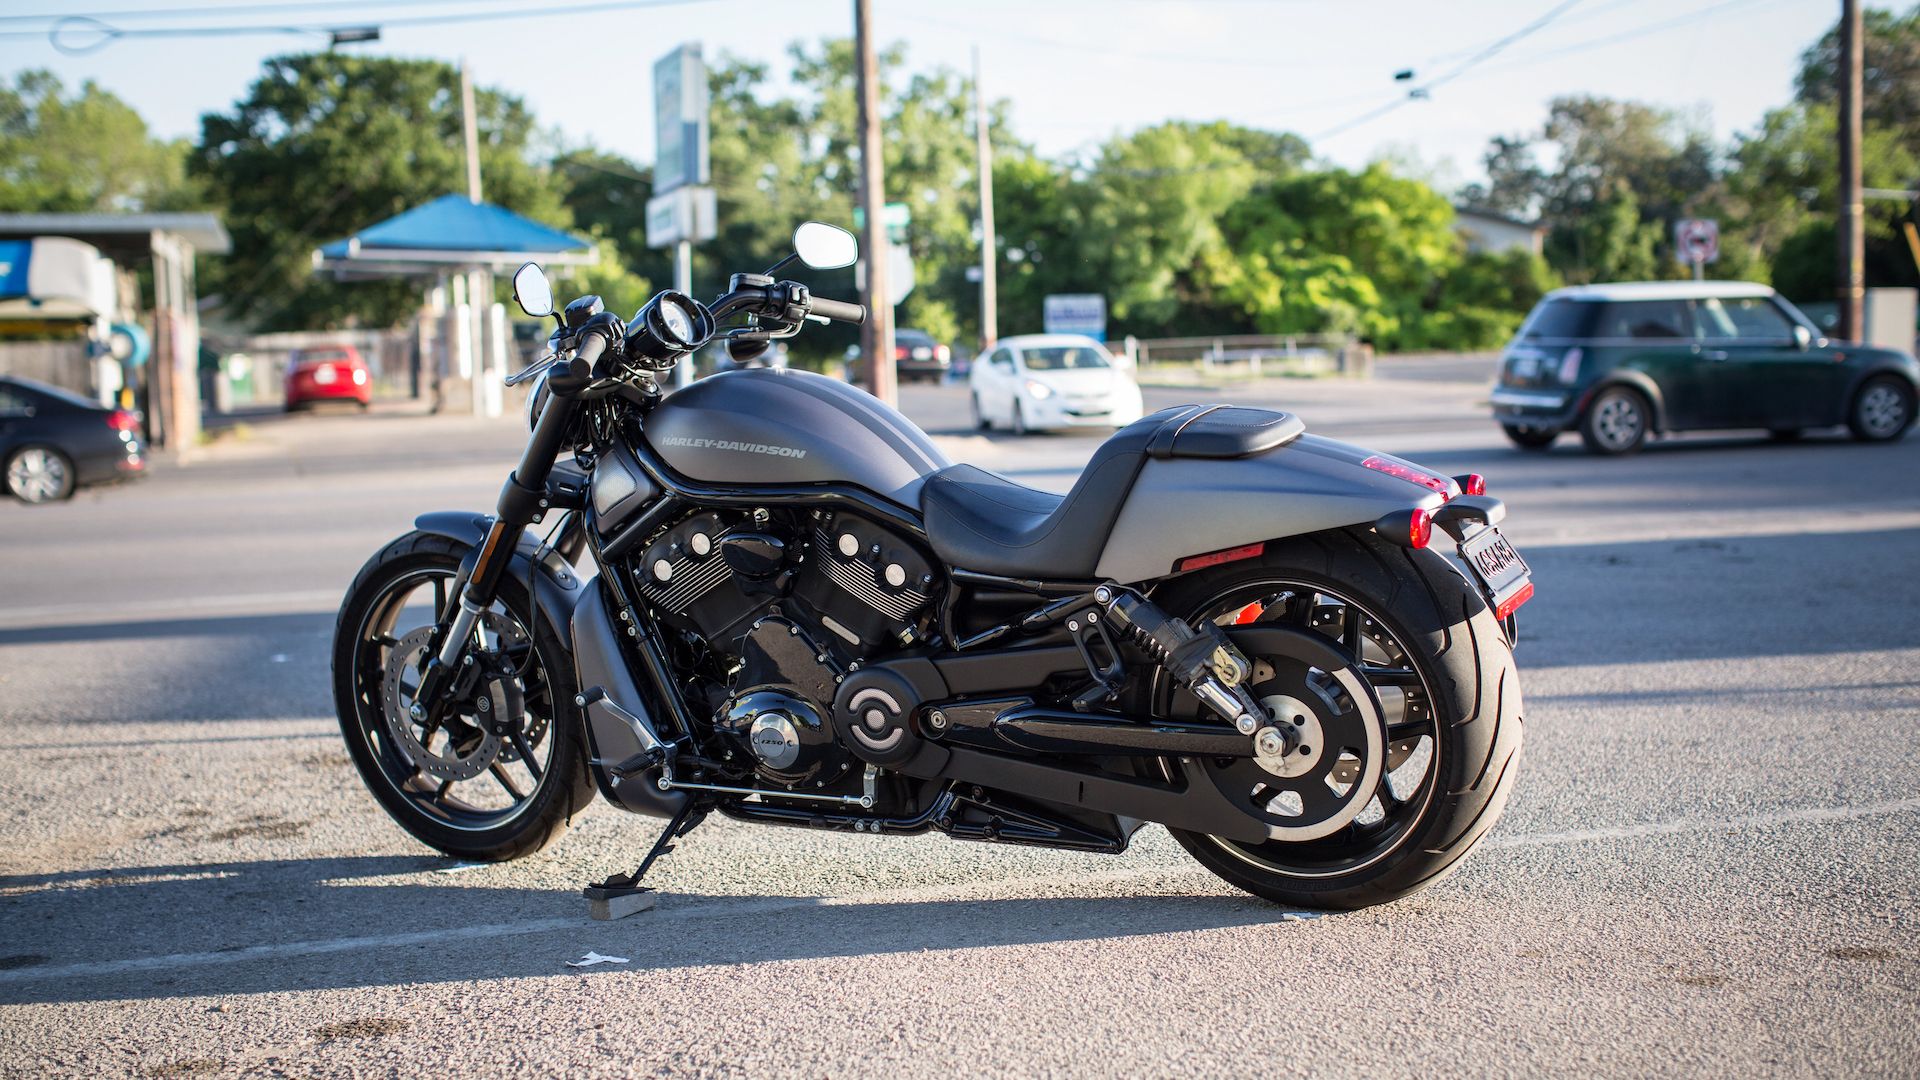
(1257, 354)
(254, 368)
(57, 363)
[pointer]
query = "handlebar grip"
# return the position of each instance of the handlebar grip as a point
(591, 346)
(838, 310)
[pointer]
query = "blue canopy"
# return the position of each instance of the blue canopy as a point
(451, 232)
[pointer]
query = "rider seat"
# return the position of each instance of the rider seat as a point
(981, 521)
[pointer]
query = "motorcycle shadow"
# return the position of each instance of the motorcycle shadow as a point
(309, 924)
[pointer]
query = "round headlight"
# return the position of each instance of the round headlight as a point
(537, 397)
(670, 326)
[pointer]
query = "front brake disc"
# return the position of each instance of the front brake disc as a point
(466, 748)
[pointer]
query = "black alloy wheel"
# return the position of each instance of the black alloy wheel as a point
(500, 771)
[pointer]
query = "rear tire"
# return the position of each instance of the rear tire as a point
(562, 792)
(1020, 420)
(1882, 411)
(1451, 638)
(37, 475)
(1527, 438)
(1616, 422)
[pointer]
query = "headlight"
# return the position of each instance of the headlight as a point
(1040, 391)
(537, 396)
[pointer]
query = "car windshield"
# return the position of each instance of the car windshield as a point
(1558, 319)
(1063, 358)
(911, 338)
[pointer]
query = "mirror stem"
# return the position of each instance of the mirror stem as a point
(781, 265)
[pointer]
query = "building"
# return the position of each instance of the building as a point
(1494, 233)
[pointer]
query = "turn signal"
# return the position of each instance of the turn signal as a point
(1412, 527)
(1471, 483)
(1419, 529)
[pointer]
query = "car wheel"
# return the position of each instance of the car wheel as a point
(1527, 438)
(1019, 420)
(40, 474)
(980, 421)
(1616, 422)
(1882, 411)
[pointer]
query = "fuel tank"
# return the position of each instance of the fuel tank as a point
(780, 426)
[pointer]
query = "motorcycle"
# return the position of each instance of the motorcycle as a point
(770, 595)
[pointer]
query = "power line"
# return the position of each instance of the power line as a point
(238, 9)
(110, 33)
(1419, 92)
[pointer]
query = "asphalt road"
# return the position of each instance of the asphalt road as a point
(1709, 865)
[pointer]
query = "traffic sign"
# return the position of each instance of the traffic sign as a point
(1076, 313)
(685, 213)
(680, 110)
(1696, 241)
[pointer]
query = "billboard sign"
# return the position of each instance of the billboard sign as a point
(1076, 313)
(680, 108)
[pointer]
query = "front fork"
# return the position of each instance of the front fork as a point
(522, 499)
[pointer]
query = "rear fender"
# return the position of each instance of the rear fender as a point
(1181, 507)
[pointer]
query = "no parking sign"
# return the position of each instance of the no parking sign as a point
(1696, 241)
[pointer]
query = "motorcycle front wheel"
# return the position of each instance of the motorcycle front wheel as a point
(500, 773)
(1431, 653)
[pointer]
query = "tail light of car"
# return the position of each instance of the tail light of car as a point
(899, 352)
(325, 375)
(123, 421)
(1570, 366)
(942, 353)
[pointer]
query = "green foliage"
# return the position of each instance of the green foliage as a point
(89, 151)
(327, 143)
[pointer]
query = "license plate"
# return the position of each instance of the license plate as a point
(1500, 569)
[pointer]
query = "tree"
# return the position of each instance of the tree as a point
(1515, 182)
(89, 151)
(327, 143)
(1889, 75)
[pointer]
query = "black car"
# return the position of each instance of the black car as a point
(915, 356)
(1620, 362)
(53, 440)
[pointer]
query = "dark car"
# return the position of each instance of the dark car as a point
(53, 440)
(915, 356)
(1621, 362)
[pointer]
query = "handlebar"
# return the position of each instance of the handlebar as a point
(591, 346)
(838, 310)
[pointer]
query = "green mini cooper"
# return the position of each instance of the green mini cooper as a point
(1621, 362)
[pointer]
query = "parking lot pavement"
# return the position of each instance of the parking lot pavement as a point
(1709, 865)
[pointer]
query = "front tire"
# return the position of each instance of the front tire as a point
(1527, 438)
(508, 809)
(980, 421)
(1020, 420)
(1617, 422)
(1458, 694)
(1882, 411)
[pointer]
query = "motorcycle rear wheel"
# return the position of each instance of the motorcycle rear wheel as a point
(1445, 676)
(475, 822)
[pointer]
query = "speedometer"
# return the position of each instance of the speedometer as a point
(677, 321)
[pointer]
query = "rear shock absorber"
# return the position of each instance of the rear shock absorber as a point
(1203, 661)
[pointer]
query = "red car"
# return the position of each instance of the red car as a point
(328, 373)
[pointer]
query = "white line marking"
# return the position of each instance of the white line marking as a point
(773, 905)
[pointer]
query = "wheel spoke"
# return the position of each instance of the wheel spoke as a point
(1404, 678)
(526, 754)
(500, 774)
(441, 794)
(1408, 730)
(1352, 634)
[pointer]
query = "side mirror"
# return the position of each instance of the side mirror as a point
(825, 247)
(1802, 337)
(531, 291)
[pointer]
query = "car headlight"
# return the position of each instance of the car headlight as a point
(1038, 390)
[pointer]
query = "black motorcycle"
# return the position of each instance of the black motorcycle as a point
(771, 595)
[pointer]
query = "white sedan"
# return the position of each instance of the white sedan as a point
(1041, 382)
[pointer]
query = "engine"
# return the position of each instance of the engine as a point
(796, 602)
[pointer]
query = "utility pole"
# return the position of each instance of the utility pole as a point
(989, 287)
(477, 284)
(471, 126)
(876, 337)
(1853, 255)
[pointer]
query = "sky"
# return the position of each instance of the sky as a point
(1074, 71)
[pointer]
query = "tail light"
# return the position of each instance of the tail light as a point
(1570, 366)
(942, 353)
(1412, 528)
(325, 375)
(900, 352)
(1419, 528)
(1408, 473)
(122, 420)
(1471, 483)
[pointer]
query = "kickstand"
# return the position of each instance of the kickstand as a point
(622, 894)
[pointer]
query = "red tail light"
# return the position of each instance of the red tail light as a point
(1406, 472)
(1419, 528)
(900, 352)
(1512, 603)
(1215, 558)
(1472, 484)
(122, 420)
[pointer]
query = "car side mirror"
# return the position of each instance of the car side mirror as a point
(1802, 338)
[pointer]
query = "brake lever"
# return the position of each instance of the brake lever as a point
(533, 370)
